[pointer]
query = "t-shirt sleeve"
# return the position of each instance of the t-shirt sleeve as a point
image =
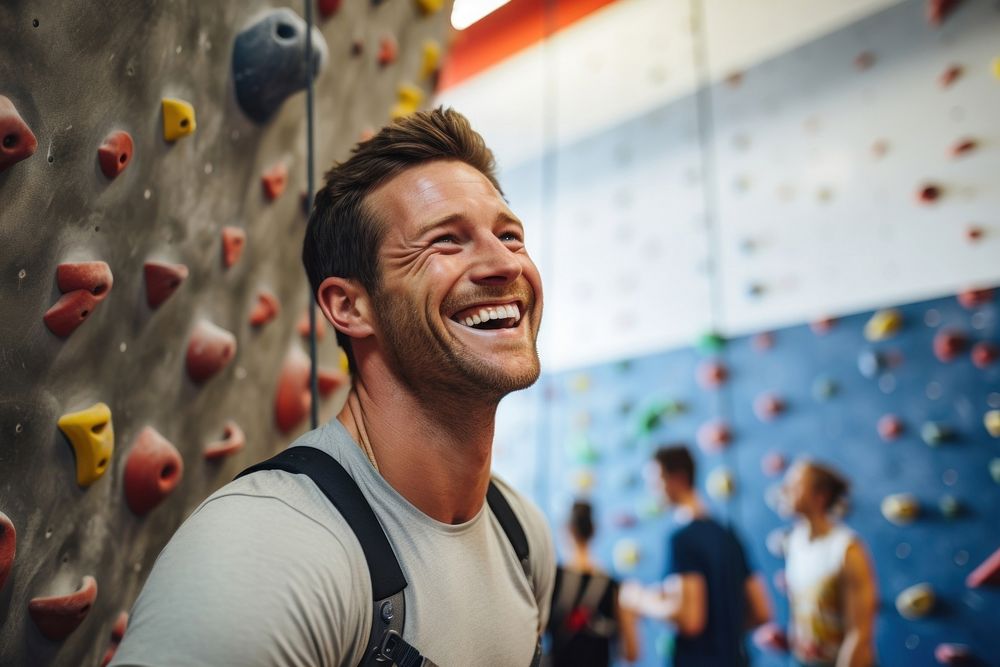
(250, 580)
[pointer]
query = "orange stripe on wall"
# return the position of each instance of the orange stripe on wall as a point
(512, 28)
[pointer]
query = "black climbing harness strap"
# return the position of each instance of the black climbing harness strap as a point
(386, 645)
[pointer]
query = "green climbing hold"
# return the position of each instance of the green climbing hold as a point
(583, 449)
(711, 342)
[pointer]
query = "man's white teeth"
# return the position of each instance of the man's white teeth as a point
(493, 313)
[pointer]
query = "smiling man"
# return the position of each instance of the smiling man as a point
(420, 265)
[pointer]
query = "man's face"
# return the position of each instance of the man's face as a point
(672, 485)
(460, 300)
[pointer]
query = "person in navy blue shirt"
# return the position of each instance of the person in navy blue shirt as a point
(710, 593)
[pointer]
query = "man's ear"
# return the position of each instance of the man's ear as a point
(346, 305)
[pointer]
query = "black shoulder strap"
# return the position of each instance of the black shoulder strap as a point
(511, 526)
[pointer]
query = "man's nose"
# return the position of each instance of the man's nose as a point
(496, 264)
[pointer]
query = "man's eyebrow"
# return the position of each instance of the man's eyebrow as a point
(502, 216)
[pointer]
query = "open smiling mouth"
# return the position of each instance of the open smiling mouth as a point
(504, 316)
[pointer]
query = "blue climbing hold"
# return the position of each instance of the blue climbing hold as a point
(269, 62)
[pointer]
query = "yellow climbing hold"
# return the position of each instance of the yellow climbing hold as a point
(916, 601)
(430, 6)
(345, 365)
(409, 98)
(884, 324)
(93, 439)
(720, 483)
(430, 60)
(178, 119)
(996, 67)
(901, 508)
(991, 420)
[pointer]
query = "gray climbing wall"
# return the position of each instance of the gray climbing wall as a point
(75, 73)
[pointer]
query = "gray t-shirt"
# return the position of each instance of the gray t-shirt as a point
(267, 572)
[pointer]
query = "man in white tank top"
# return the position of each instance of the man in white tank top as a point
(831, 583)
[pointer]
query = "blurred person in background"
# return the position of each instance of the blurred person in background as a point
(831, 583)
(586, 618)
(710, 593)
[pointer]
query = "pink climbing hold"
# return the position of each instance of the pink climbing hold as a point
(928, 193)
(117, 632)
(274, 180)
(987, 574)
(59, 615)
(8, 547)
(963, 147)
(763, 341)
(265, 310)
(985, 354)
(388, 50)
(950, 76)
(822, 326)
(233, 241)
(770, 637)
(210, 349)
(712, 374)
(890, 427)
(94, 277)
(162, 280)
(954, 654)
(115, 153)
(948, 344)
(768, 407)
(17, 141)
(153, 469)
(233, 440)
(975, 298)
(714, 436)
(69, 312)
(938, 10)
(773, 464)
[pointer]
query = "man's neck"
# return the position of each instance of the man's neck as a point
(437, 457)
(690, 507)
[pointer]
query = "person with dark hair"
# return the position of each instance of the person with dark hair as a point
(831, 583)
(586, 618)
(711, 594)
(382, 537)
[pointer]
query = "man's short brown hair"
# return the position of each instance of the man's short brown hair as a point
(676, 460)
(343, 234)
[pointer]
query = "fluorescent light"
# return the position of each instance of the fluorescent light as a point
(467, 12)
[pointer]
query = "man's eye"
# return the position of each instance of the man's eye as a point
(445, 238)
(510, 236)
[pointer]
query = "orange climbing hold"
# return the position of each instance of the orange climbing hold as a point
(948, 344)
(210, 349)
(963, 147)
(975, 298)
(234, 240)
(17, 141)
(233, 440)
(938, 10)
(265, 310)
(162, 280)
(8, 547)
(92, 436)
(152, 470)
(890, 427)
(987, 574)
(974, 233)
(115, 153)
(117, 632)
(274, 180)
(950, 76)
(388, 50)
(59, 615)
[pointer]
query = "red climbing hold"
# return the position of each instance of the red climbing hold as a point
(948, 344)
(928, 194)
(17, 141)
(770, 637)
(117, 632)
(712, 374)
(714, 436)
(987, 574)
(822, 326)
(265, 310)
(938, 10)
(890, 427)
(115, 153)
(59, 615)
(950, 76)
(233, 241)
(8, 547)
(973, 233)
(69, 312)
(94, 277)
(768, 407)
(232, 441)
(963, 147)
(153, 469)
(293, 399)
(328, 8)
(302, 326)
(328, 381)
(274, 180)
(162, 280)
(985, 354)
(975, 298)
(388, 50)
(210, 349)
